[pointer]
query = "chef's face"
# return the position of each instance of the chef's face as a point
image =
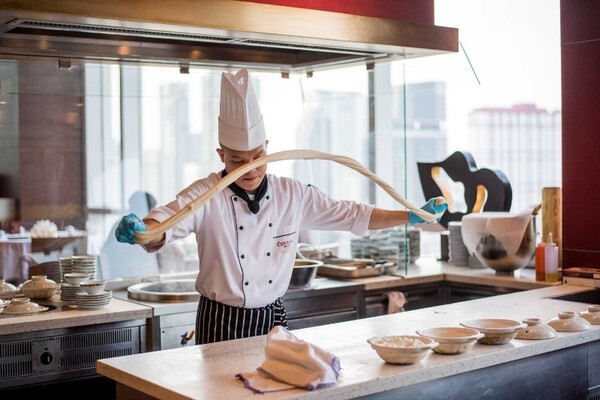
(234, 159)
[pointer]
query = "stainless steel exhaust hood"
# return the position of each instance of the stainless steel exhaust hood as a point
(220, 33)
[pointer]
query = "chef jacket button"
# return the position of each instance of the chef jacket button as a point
(269, 254)
(270, 280)
(268, 197)
(246, 283)
(243, 256)
(241, 228)
(270, 224)
(234, 198)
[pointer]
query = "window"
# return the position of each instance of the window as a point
(153, 129)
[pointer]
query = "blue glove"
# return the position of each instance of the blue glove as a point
(126, 229)
(431, 207)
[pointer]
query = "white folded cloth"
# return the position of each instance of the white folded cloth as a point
(292, 363)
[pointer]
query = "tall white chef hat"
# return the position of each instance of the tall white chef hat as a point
(241, 124)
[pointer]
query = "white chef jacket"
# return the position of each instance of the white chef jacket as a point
(246, 259)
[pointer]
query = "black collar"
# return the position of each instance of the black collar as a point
(253, 205)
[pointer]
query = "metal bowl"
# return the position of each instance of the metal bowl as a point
(492, 254)
(304, 273)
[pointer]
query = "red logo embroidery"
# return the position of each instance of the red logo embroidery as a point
(286, 243)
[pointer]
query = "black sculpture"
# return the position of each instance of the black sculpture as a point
(485, 189)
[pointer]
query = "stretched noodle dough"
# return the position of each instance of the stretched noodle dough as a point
(148, 236)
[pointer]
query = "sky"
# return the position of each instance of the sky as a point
(514, 48)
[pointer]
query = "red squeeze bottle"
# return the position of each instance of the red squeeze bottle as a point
(540, 262)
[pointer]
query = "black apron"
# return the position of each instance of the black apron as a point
(216, 322)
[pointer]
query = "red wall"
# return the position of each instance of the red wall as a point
(404, 10)
(580, 40)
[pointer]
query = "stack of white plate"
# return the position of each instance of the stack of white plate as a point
(457, 251)
(94, 301)
(474, 262)
(85, 264)
(68, 293)
(414, 244)
(66, 267)
(389, 244)
(357, 246)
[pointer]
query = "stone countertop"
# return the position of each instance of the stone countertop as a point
(208, 371)
(430, 270)
(426, 270)
(64, 316)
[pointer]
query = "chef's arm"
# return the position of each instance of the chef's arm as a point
(381, 218)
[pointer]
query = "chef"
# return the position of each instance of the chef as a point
(247, 234)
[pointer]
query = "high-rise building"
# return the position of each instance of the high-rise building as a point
(524, 142)
(423, 137)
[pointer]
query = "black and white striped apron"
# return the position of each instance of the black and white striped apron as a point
(216, 322)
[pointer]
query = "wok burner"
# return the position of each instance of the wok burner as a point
(180, 290)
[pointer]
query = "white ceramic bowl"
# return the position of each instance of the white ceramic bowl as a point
(536, 330)
(93, 286)
(75, 278)
(569, 321)
(452, 340)
(592, 315)
(403, 349)
(39, 287)
(7, 290)
(23, 305)
(495, 331)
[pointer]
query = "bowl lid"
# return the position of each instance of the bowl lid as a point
(39, 282)
(492, 325)
(23, 305)
(536, 330)
(569, 321)
(6, 286)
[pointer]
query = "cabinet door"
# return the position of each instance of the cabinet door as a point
(463, 292)
(417, 296)
(316, 308)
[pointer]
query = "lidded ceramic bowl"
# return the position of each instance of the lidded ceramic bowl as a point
(3, 303)
(452, 340)
(404, 349)
(536, 330)
(7, 290)
(569, 321)
(592, 315)
(23, 305)
(495, 331)
(39, 287)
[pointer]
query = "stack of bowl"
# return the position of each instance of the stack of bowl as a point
(72, 286)
(93, 296)
(85, 264)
